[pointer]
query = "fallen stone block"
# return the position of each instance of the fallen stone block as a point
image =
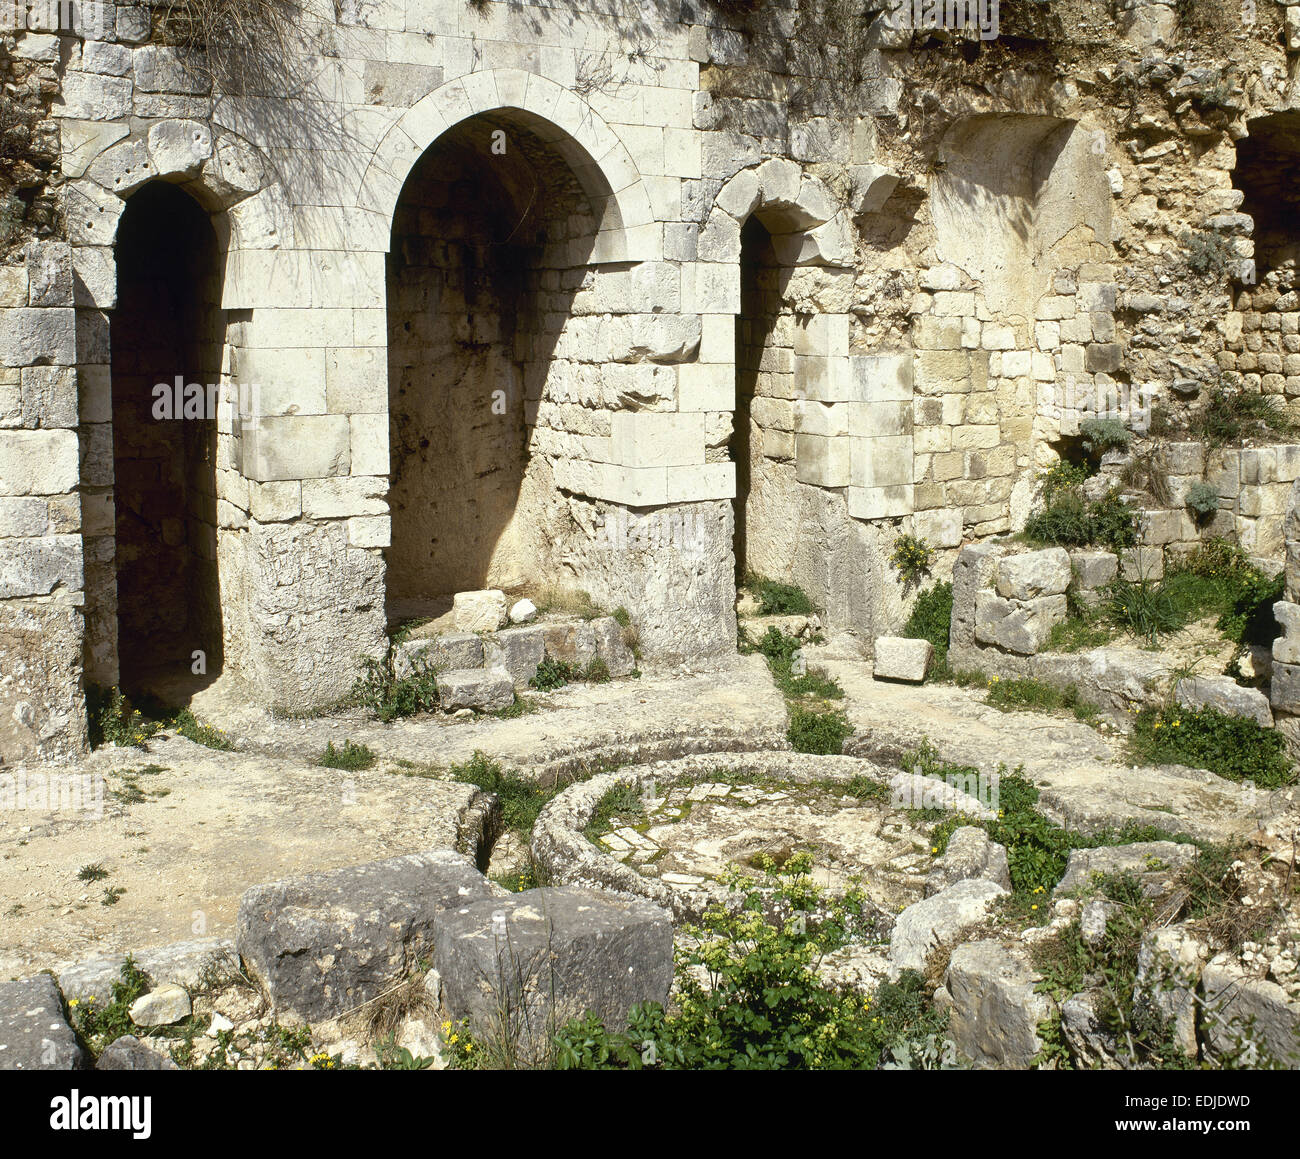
(995, 1008)
(970, 854)
(482, 689)
(34, 1034)
(518, 650)
(938, 921)
(1033, 574)
(1156, 863)
(898, 658)
(482, 611)
(187, 964)
(520, 967)
(444, 653)
(161, 1006)
(1226, 695)
(323, 944)
(129, 1053)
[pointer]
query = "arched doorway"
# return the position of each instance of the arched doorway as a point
(490, 242)
(166, 336)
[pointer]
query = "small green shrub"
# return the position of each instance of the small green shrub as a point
(911, 558)
(623, 800)
(931, 619)
(189, 726)
(552, 674)
(1236, 748)
(1231, 415)
(1036, 695)
(1145, 608)
(761, 1004)
(778, 599)
(597, 672)
(100, 1024)
(818, 732)
(779, 648)
(379, 689)
(522, 799)
(1203, 499)
(352, 757)
(1207, 253)
(1102, 435)
(114, 720)
(1069, 519)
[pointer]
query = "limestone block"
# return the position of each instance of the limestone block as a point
(34, 335)
(1156, 863)
(1226, 695)
(1243, 1013)
(1017, 626)
(1033, 574)
(940, 527)
(900, 658)
(883, 377)
(925, 926)
(969, 854)
(881, 502)
(886, 461)
(1284, 688)
(523, 611)
(164, 1005)
(828, 420)
(479, 611)
(611, 647)
(447, 652)
(1169, 964)
(996, 1008)
(823, 379)
(822, 461)
(162, 69)
(38, 462)
(297, 447)
(573, 643)
(482, 689)
(275, 502)
(179, 147)
(39, 567)
(325, 943)
(974, 570)
(518, 650)
(370, 531)
(871, 186)
(651, 439)
(1093, 569)
(130, 1053)
(547, 955)
(340, 497)
(91, 97)
(34, 1034)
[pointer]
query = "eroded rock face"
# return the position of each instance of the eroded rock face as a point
(34, 1034)
(970, 854)
(995, 1007)
(939, 921)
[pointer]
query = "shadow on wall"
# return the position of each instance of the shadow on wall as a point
(1016, 198)
(490, 243)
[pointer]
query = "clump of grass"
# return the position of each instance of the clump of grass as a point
(189, 726)
(1233, 415)
(1077, 633)
(624, 801)
(1039, 696)
(779, 648)
(778, 599)
(352, 757)
(100, 1024)
(811, 731)
(93, 872)
(556, 600)
(1069, 519)
(522, 799)
(1234, 747)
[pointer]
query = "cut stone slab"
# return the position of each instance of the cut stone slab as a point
(1244, 1015)
(995, 1010)
(970, 854)
(518, 650)
(1014, 625)
(611, 647)
(323, 944)
(482, 689)
(898, 658)
(572, 642)
(161, 1006)
(183, 963)
(1034, 574)
(1093, 569)
(1156, 862)
(482, 611)
(129, 1053)
(1226, 695)
(525, 964)
(938, 921)
(450, 651)
(34, 1034)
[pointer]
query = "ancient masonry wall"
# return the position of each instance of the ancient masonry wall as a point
(961, 257)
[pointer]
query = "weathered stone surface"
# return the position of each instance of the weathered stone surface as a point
(482, 611)
(323, 944)
(1169, 967)
(1284, 688)
(129, 1053)
(1034, 574)
(1093, 569)
(898, 658)
(518, 651)
(1248, 1020)
(482, 689)
(1091, 1045)
(974, 570)
(1017, 626)
(610, 646)
(995, 1009)
(34, 1034)
(939, 920)
(1155, 862)
(183, 963)
(42, 709)
(1226, 695)
(970, 854)
(161, 1006)
(574, 643)
(527, 963)
(523, 611)
(452, 650)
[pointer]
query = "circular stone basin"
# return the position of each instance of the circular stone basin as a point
(670, 830)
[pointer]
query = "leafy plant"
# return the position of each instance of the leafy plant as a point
(521, 798)
(1069, 519)
(623, 800)
(115, 720)
(1231, 415)
(778, 599)
(379, 688)
(100, 1024)
(1235, 747)
(931, 619)
(780, 648)
(1203, 499)
(350, 756)
(1102, 435)
(552, 674)
(1208, 253)
(911, 558)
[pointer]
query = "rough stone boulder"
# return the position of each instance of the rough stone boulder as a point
(1226, 695)
(995, 1009)
(322, 944)
(1021, 626)
(1156, 863)
(449, 651)
(34, 1034)
(161, 1006)
(183, 963)
(483, 689)
(522, 966)
(938, 921)
(1246, 1019)
(129, 1053)
(1169, 966)
(898, 658)
(1034, 574)
(970, 855)
(483, 611)
(518, 650)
